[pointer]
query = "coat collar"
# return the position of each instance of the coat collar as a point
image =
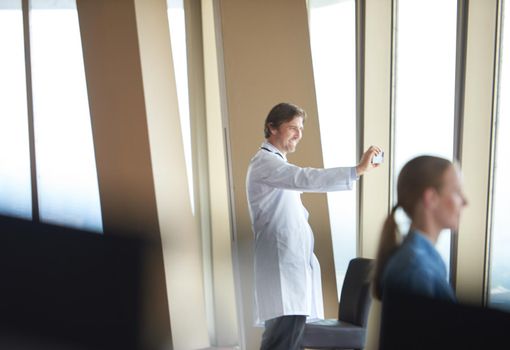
(267, 146)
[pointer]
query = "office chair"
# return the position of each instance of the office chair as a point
(349, 330)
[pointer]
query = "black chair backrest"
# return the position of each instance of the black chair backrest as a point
(355, 298)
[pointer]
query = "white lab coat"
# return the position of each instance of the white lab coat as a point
(287, 272)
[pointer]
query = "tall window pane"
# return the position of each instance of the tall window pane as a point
(499, 294)
(66, 169)
(15, 186)
(177, 23)
(333, 43)
(425, 87)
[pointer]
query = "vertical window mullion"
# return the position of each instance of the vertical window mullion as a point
(360, 105)
(460, 73)
(499, 266)
(30, 110)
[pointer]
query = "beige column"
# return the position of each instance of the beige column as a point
(181, 237)
(267, 60)
(377, 130)
(477, 147)
(226, 312)
(117, 106)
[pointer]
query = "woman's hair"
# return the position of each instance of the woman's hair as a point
(281, 113)
(415, 177)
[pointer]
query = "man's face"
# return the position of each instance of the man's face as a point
(287, 136)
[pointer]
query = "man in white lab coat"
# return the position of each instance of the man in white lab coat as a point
(288, 289)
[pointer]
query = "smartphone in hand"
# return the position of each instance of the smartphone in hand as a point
(378, 158)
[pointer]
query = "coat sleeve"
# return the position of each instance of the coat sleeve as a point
(277, 173)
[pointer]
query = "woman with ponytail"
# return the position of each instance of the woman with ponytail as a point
(430, 193)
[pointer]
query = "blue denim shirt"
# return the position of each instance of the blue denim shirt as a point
(417, 268)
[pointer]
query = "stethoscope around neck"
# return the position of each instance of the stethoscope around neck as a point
(267, 149)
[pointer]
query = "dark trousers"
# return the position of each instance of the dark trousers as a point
(283, 333)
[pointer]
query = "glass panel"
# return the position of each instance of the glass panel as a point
(66, 169)
(425, 88)
(177, 24)
(15, 182)
(333, 44)
(499, 294)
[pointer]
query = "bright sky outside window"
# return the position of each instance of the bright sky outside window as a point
(499, 293)
(177, 24)
(333, 43)
(425, 87)
(15, 185)
(66, 170)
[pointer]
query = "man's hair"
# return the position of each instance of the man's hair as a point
(281, 113)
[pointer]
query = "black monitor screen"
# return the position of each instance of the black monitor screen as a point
(412, 322)
(66, 288)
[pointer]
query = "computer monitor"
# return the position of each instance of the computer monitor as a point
(63, 288)
(413, 322)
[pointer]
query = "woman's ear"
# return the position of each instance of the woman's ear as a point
(430, 197)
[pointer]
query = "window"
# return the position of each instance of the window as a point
(424, 88)
(333, 44)
(15, 184)
(67, 186)
(499, 293)
(177, 23)
(66, 169)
